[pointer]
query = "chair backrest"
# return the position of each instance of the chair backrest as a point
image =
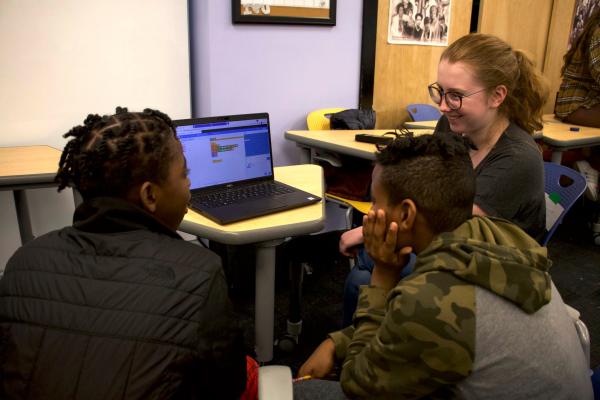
(318, 120)
(565, 196)
(423, 112)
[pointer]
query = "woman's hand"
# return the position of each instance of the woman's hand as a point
(350, 240)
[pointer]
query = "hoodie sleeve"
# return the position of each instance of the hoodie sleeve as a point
(424, 339)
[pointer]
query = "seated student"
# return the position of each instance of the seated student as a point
(578, 99)
(118, 306)
(478, 318)
(491, 94)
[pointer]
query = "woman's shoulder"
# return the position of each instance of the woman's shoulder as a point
(516, 141)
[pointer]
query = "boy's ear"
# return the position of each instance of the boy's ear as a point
(148, 196)
(405, 214)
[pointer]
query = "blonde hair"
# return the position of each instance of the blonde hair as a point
(496, 63)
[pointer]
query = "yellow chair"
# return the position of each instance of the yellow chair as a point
(319, 120)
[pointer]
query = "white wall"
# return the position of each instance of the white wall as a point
(60, 60)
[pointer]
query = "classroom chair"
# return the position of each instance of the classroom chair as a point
(423, 112)
(319, 120)
(560, 198)
(316, 120)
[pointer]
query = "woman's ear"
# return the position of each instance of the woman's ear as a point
(498, 95)
(148, 196)
(405, 214)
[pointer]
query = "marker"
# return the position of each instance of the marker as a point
(302, 378)
(574, 129)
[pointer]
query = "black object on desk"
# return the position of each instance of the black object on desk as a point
(375, 139)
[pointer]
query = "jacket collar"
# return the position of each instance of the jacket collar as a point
(112, 214)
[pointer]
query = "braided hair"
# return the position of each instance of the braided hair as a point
(108, 155)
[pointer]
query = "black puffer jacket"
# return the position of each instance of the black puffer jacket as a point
(117, 307)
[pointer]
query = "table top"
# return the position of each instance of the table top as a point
(341, 141)
(559, 134)
(23, 165)
(298, 221)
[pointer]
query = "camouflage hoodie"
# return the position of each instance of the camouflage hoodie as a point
(419, 338)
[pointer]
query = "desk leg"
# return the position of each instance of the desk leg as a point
(556, 156)
(305, 155)
(23, 216)
(265, 299)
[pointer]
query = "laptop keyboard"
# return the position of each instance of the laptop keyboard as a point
(239, 195)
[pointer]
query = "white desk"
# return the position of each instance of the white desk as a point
(27, 167)
(266, 233)
(559, 136)
(337, 141)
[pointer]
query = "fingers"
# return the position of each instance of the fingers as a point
(304, 370)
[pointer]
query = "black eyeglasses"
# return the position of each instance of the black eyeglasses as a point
(453, 99)
(392, 135)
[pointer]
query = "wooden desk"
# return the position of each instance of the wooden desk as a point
(27, 167)
(337, 141)
(559, 137)
(266, 233)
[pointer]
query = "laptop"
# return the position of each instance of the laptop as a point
(231, 168)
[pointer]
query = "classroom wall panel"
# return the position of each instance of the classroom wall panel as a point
(522, 23)
(402, 72)
(558, 40)
(285, 70)
(539, 27)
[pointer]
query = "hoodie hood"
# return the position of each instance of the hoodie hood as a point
(496, 255)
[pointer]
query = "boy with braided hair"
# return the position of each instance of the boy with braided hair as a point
(117, 306)
(479, 317)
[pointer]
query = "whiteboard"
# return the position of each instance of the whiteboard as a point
(63, 59)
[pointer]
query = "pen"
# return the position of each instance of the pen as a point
(302, 378)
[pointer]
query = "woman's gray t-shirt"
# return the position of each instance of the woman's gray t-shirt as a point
(510, 180)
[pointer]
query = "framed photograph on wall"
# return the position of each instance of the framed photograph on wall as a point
(305, 12)
(420, 22)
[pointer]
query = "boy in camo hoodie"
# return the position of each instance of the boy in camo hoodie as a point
(478, 318)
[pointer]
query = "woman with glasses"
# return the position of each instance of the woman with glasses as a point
(491, 94)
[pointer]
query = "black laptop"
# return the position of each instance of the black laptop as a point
(231, 168)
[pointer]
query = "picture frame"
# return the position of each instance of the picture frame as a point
(296, 12)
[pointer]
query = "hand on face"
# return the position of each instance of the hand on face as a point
(381, 242)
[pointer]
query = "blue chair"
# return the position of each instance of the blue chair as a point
(423, 112)
(565, 196)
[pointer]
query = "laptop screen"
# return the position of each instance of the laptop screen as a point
(223, 150)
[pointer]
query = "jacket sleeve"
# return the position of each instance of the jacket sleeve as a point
(221, 345)
(594, 49)
(422, 340)
(341, 340)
